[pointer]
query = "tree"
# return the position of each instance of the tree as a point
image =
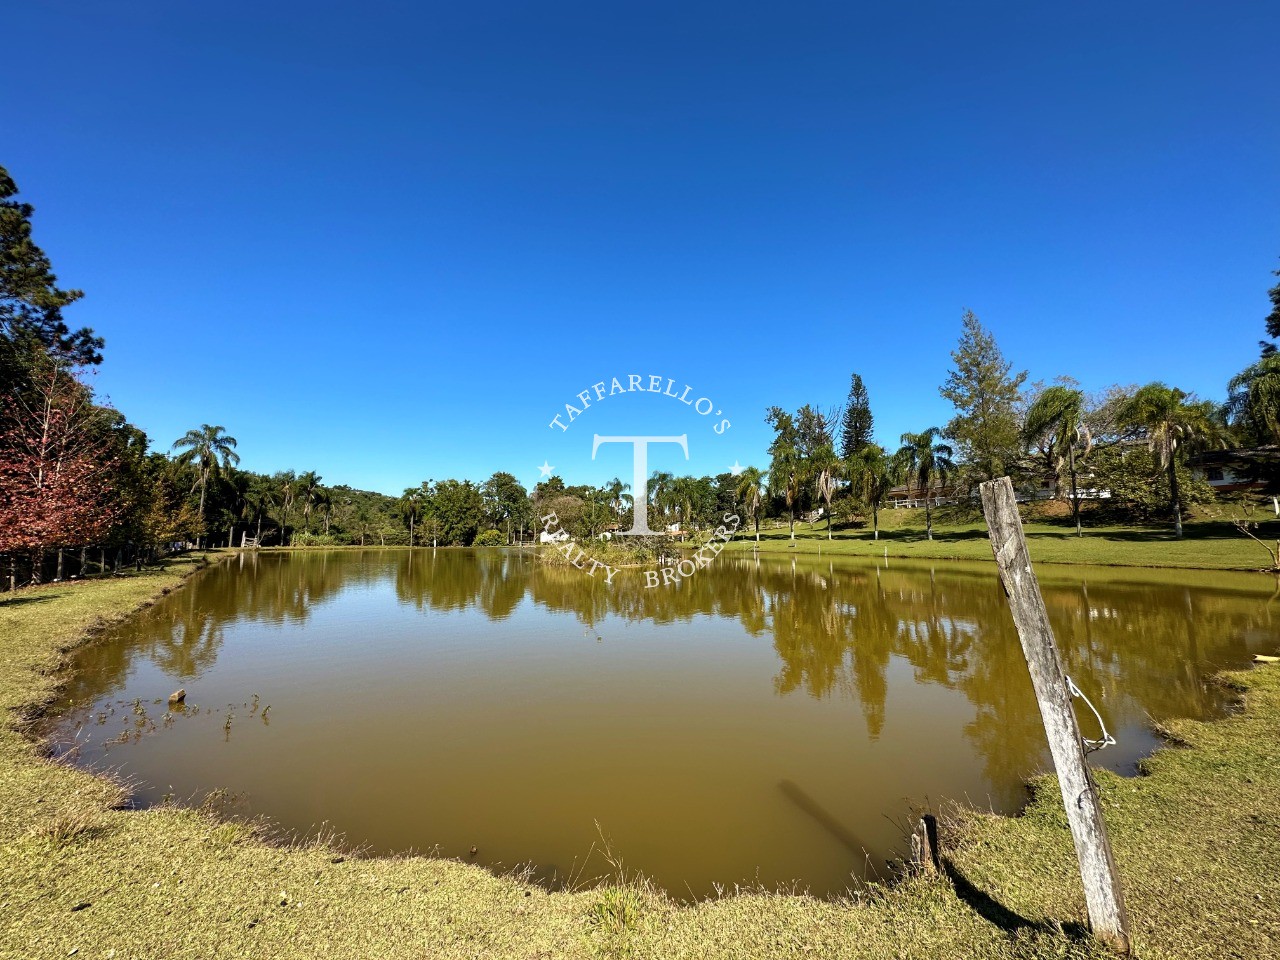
(751, 492)
(787, 465)
(31, 302)
(1253, 400)
(984, 393)
(410, 507)
(208, 449)
(826, 466)
(1056, 420)
(873, 473)
(505, 500)
(56, 469)
(311, 494)
(1173, 423)
(856, 423)
(1273, 318)
(923, 460)
(286, 484)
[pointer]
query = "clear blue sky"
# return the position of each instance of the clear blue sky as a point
(389, 241)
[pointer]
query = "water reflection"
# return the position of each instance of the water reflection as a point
(785, 707)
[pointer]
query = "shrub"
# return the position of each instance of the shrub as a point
(313, 540)
(490, 538)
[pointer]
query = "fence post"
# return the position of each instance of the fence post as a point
(1108, 917)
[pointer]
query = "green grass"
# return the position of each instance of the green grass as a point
(1197, 841)
(1207, 544)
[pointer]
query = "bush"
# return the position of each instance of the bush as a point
(313, 540)
(490, 538)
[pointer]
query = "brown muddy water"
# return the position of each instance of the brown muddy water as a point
(766, 721)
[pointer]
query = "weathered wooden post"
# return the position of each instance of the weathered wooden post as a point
(1105, 901)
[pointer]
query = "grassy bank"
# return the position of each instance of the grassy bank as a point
(1207, 544)
(1196, 840)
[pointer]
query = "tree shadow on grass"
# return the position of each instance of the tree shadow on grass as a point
(996, 913)
(20, 601)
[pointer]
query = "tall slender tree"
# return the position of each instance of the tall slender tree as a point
(787, 464)
(826, 468)
(209, 449)
(410, 507)
(856, 422)
(750, 493)
(924, 459)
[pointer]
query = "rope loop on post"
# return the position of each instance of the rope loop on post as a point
(1107, 739)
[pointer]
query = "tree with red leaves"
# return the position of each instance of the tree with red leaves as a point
(56, 468)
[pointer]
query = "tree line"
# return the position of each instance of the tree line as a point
(83, 490)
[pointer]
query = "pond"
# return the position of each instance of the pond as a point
(763, 722)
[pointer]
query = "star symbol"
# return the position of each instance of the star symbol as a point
(736, 469)
(546, 468)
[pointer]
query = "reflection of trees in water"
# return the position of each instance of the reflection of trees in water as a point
(1140, 646)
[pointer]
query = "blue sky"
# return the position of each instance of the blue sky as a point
(389, 241)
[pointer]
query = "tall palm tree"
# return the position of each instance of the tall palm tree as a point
(924, 460)
(310, 494)
(750, 493)
(286, 484)
(786, 478)
(873, 474)
(660, 483)
(1254, 399)
(683, 496)
(618, 496)
(827, 468)
(1174, 423)
(1056, 419)
(208, 448)
(410, 507)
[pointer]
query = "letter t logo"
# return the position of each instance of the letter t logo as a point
(640, 476)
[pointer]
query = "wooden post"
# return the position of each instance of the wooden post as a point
(1105, 901)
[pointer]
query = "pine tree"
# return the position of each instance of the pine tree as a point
(984, 392)
(855, 427)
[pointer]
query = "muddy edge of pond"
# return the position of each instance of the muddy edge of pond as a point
(33, 712)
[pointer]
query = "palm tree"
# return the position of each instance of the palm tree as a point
(873, 473)
(683, 494)
(828, 468)
(786, 478)
(286, 483)
(660, 483)
(410, 507)
(208, 448)
(751, 492)
(1254, 399)
(1172, 421)
(260, 498)
(1056, 419)
(923, 460)
(310, 493)
(618, 496)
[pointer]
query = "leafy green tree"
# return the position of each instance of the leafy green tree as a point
(1253, 398)
(505, 500)
(310, 495)
(856, 421)
(31, 302)
(873, 473)
(924, 459)
(458, 507)
(1273, 318)
(1173, 423)
(209, 449)
(787, 464)
(286, 485)
(751, 494)
(1056, 420)
(984, 393)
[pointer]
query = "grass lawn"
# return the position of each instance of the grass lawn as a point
(1197, 841)
(1207, 544)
